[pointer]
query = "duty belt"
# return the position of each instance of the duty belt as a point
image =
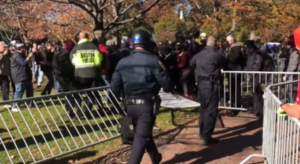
(138, 102)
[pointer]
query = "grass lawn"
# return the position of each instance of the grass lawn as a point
(46, 131)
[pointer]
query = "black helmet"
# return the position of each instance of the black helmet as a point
(141, 38)
(195, 32)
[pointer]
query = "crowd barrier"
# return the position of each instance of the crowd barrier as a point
(280, 132)
(239, 88)
(48, 131)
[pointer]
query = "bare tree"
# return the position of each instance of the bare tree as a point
(109, 14)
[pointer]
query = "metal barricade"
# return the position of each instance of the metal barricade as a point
(240, 87)
(280, 133)
(43, 129)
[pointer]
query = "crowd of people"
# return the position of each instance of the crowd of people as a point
(140, 67)
(25, 63)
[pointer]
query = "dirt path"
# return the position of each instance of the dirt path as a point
(241, 137)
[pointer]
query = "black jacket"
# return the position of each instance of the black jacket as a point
(20, 69)
(114, 56)
(193, 49)
(45, 60)
(209, 62)
(140, 74)
(254, 61)
(62, 65)
(235, 56)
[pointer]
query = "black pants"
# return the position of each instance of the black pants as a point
(209, 99)
(143, 119)
(49, 74)
(66, 85)
(80, 84)
(258, 102)
(4, 83)
(235, 92)
(185, 80)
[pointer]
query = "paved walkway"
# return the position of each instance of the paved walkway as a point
(241, 137)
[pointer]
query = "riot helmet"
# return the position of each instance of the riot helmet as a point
(142, 38)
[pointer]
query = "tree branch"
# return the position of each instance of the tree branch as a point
(137, 16)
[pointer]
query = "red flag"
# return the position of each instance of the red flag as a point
(297, 37)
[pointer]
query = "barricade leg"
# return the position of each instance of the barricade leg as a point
(251, 156)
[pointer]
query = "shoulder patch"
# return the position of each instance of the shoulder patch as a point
(162, 65)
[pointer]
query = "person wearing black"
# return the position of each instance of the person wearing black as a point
(236, 63)
(46, 57)
(194, 48)
(140, 77)
(125, 48)
(286, 52)
(255, 62)
(64, 72)
(208, 64)
(169, 58)
(5, 56)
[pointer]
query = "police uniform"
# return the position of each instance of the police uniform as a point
(208, 64)
(86, 59)
(140, 76)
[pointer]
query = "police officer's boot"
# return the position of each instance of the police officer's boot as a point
(155, 158)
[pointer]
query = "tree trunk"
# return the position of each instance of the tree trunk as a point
(98, 34)
(117, 38)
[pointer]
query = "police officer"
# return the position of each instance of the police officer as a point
(208, 64)
(86, 59)
(140, 76)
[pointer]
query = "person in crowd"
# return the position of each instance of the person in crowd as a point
(195, 47)
(184, 70)
(254, 63)
(21, 75)
(64, 71)
(293, 66)
(5, 56)
(208, 64)
(236, 63)
(57, 48)
(12, 49)
(87, 60)
(221, 48)
(203, 40)
(169, 58)
(114, 56)
(105, 62)
(140, 77)
(38, 59)
(125, 47)
(45, 62)
(285, 54)
(257, 41)
(35, 66)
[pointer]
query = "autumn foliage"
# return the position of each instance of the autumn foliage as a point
(61, 19)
